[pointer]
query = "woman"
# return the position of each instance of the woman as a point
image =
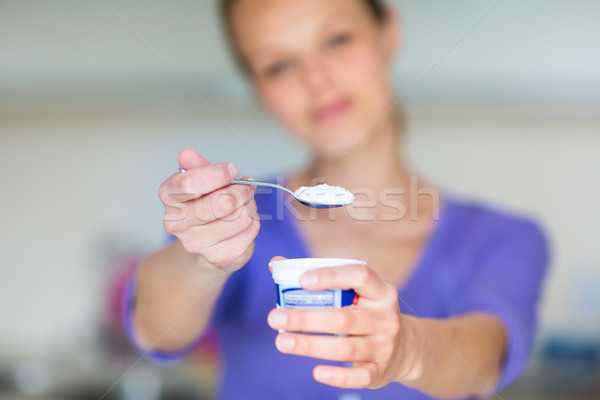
(446, 307)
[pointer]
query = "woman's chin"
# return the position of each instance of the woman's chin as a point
(337, 144)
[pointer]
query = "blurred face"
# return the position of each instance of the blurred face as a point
(319, 66)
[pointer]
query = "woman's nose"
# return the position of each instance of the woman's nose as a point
(315, 74)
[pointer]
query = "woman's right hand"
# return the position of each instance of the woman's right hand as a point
(213, 219)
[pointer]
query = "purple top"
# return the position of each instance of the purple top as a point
(476, 259)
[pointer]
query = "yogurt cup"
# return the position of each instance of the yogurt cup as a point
(286, 274)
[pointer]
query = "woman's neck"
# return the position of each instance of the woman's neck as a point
(374, 164)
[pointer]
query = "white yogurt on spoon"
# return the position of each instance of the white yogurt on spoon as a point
(325, 195)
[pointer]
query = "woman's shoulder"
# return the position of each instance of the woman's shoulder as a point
(478, 222)
(490, 243)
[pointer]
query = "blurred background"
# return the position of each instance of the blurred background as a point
(97, 97)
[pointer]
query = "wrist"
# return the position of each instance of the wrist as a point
(194, 265)
(413, 350)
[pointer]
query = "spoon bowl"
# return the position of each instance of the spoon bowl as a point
(293, 194)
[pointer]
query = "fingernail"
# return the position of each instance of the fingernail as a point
(308, 278)
(322, 374)
(285, 343)
(232, 170)
(277, 319)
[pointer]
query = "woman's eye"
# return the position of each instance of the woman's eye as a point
(277, 68)
(338, 40)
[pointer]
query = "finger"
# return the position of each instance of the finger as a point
(275, 258)
(343, 377)
(228, 251)
(332, 348)
(361, 278)
(182, 218)
(183, 187)
(219, 230)
(222, 203)
(338, 321)
(190, 159)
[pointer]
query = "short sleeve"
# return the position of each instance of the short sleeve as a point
(507, 283)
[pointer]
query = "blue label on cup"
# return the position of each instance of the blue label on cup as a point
(296, 297)
(299, 298)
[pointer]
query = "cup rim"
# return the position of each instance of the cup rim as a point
(288, 271)
(312, 263)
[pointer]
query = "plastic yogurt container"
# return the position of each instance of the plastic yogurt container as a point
(286, 274)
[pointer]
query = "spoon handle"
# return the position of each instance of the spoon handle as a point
(255, 183)
(267, 184)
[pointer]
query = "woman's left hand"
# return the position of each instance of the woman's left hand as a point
(374, 338)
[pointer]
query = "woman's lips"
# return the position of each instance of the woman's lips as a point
(332, 110)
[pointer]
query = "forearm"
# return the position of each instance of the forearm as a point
(454, 357)
(175, 295)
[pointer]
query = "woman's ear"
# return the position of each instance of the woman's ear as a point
(393, 35)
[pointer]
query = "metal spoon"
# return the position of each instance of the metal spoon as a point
(273, 185)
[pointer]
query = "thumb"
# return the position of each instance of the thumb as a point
(190, 159)
(276, 258)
